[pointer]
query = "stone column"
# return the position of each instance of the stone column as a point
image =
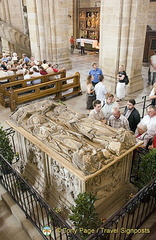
(41, 33)
(76, 6)
(59, 32)
(7, 12)
(122, 35)
(33, 28)
(0, 45)
(48, 26)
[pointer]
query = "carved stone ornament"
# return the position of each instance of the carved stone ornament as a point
(87, 144)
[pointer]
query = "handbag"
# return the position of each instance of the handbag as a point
(126, 79)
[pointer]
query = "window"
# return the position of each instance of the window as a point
(153, 44)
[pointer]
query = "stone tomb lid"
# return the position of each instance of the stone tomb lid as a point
(82, 145)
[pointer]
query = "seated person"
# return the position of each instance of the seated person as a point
(97, 113)
(2, 75)
(35, 74)
(44, 64)
(27, 76)
(43, 71)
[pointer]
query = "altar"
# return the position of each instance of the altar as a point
(63, 153)
(93, 43)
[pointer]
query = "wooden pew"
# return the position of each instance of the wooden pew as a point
(4, 88)
(53, 87)
(12, 78)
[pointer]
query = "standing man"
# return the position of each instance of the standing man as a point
(100, 90)
(117, 120)
(72, 44)
(82, 43)
(132, 114)
(96, 72)
(152, 69)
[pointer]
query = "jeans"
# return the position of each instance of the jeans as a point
(72, 49)
(82, 50)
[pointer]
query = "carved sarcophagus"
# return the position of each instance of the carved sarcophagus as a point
(63, 153)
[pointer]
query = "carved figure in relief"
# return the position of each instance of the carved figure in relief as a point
(97, 20)
(93, 18)
(88, 20)
(85, 142)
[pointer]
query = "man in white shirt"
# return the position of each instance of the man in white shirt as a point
(150, 121)
(82, 43)
(2, 75)
(100, 90)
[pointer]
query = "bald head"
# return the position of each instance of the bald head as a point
(116, 112)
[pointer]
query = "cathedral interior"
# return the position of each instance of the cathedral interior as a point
(115, 33)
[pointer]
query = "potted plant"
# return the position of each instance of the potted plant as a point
(147, 169)
(84, 215)
(5, 150)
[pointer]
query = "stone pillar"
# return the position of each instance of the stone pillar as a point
(33, 28)
(76, 6)
(48, 30)
(6, 10)
(122, 35)
(0, 45)
(41, 33)
(59, 31)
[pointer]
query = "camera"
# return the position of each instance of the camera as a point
(120, 75)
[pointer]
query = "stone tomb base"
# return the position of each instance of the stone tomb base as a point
(59, 175)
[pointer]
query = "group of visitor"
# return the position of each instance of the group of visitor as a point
(102, 106)
(29, 67)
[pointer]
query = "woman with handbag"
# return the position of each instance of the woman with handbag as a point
(120, 88)
(90, 93)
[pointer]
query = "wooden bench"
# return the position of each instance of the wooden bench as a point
(52, 87)
(12, 78)
(4, 88)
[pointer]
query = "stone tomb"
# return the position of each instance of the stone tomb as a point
(63, 153)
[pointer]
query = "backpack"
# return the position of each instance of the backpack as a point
(126, 79)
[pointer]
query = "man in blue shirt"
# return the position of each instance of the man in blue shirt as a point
(96, 72)
(25, 58)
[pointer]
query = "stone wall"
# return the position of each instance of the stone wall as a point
(152, 15)
(11, 12)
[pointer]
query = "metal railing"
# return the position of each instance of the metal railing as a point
(127, 221)
(33, 205)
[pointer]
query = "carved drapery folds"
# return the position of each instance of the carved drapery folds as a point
(87, 144)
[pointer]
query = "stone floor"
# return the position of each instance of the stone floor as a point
(82, 64)
(10, 229)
